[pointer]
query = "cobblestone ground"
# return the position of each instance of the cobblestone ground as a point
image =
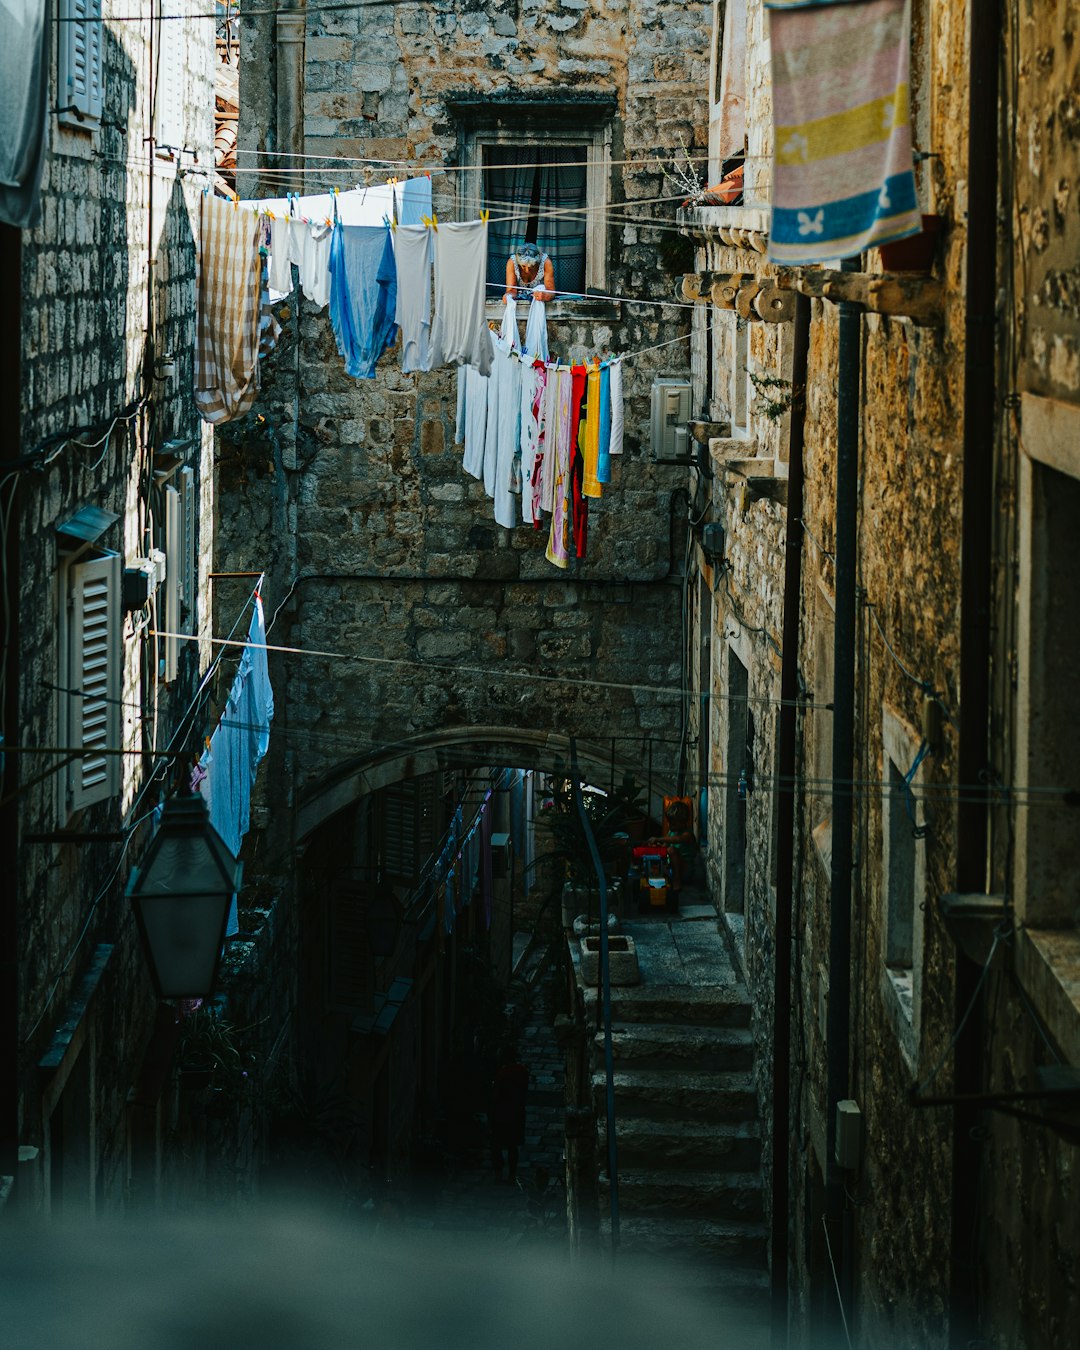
(473, 1199)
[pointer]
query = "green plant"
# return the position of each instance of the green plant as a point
(774, 395)
(211, 1044)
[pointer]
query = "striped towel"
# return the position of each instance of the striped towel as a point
(228, 325)
(843, 179)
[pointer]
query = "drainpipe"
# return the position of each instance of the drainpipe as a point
(785, 831)
(977, 507)
(838, 1025)
(291, 25)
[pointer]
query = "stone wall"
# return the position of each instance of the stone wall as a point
(384, 551)
(84, 316)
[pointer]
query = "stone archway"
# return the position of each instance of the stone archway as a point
(460, 746)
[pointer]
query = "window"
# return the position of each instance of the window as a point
(528, 160)
(79, 62)
(175, 535)
(727, 87)
(406, 828)
(89, 703)
(903, 881)
(739, 782)
(537, 193)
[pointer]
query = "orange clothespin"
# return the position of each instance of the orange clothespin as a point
(206, 742)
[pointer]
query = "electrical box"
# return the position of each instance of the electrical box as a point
(157, 560)
(500, 856)
(670, 417)
(713, 539)
(139, 584)
(848, 1134)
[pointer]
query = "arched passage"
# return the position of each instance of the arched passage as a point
(467, 747)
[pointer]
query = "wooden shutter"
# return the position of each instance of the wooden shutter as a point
(409, 817)
(94, 677)
(80, 61)
(352, 967)
(174, 555)
(170, 87)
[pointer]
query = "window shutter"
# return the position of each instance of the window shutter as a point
(352, 967)
(170, 87)
(189, 514)
(94, 671)
(81, 61)
(399, 831)
(174, 546)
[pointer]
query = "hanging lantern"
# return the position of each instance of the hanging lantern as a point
(181, 896)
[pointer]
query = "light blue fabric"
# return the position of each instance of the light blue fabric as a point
(415, 201)
(363, 295)
(603, 463)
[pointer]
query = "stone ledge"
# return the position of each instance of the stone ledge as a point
(585, 310)
(1048, 966)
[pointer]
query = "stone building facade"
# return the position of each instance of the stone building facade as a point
(109, 462)
(934, 1183)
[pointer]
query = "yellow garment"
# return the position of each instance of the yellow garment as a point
(590, 483)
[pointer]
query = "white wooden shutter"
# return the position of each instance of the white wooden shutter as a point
(80, 62)
(170, 88)
(174, 567)
(188, 580)
(94, 676)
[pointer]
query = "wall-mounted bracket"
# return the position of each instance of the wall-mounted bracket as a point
(898, 295)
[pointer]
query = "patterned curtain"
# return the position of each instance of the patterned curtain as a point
(537, 193)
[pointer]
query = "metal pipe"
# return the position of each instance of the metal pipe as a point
(976, 548)
(838, 1024)
(785, 830)
(605, 987)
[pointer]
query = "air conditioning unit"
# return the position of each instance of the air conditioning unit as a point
(670, 415)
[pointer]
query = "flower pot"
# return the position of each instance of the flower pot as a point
(916, 252)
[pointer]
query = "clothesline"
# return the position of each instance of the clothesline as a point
(426, 167)
(595, 295)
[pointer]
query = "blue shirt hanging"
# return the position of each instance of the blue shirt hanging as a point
(363, 295)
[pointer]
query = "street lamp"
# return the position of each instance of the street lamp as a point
(181, 896)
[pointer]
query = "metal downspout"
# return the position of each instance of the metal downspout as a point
(605, 994)
(785, 831)
(977, 506)
(838, 1032)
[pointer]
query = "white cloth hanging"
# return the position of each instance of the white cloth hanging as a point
(460, 334)
(414, 255)
(616, 408)
(536, 339)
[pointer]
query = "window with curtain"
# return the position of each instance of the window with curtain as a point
(537, 194)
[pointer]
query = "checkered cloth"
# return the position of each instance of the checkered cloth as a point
(227, 340)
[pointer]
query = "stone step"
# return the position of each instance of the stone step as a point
(718, 1195)
(661, 1045)
(682, 1004)
(658, 1094)
(692, 1145)
(739, 1247)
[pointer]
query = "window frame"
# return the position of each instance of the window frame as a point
(80, 111)
(902, 997)
(597, 141)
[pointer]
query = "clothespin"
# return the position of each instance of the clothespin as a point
(206, 742)
(484, 214)
(435, 222)
(235, 201)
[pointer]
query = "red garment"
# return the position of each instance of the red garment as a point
(579, 518)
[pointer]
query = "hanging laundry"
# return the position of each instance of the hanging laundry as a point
(533, 385)
(414, 257)
(412, 200)
(472, 413)
(536, 338)
(363, 295)
(616, 440)
(314, 264)
(227, 338)
(507, 370)
(238, 746)
(544, 475)
(603, 462)
(558, 549)
(590, 485)
(460, 332)
(579, 507)
(843, 178)
(286, 248)
(24, 93)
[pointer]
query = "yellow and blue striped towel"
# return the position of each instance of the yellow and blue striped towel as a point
(843, 179)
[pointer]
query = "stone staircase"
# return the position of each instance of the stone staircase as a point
(689, 1146)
